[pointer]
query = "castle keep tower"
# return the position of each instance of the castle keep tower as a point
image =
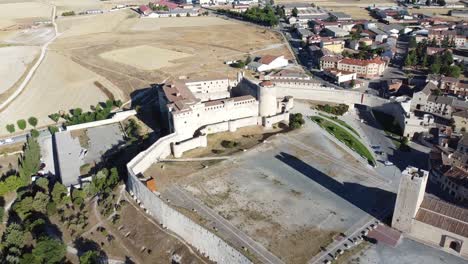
(409, 198)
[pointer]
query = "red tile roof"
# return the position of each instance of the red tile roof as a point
(443, 215)
(267, 59)
(359, 62)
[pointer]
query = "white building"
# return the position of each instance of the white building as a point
(268, 63)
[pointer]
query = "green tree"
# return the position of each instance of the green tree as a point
(40, 202)
(34, 133)
(424, 62)
(55, 117)
(53, 129)
(454, 71)
(412, 43)
(10, 128)
(23, 207)
(32, 121)
(90, 257)
(43, 183)
(49, 250)
(294, 12)
(21, 124)
(14, 236)
(58, 193)
(30, 161)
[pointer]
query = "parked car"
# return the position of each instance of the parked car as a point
(2, 142)
(378, 152)
(340, 251)
(375, 147)
(9, 140)
(388, 163)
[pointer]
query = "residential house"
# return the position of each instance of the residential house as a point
(336, 32)
(363, 68)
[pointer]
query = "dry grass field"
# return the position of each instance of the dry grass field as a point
(12, 12)
(14, 62)
(59, 84)
(145, 57)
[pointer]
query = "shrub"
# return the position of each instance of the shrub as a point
(68, 13)
(296, 121)
(55, 117)
(21, 124)
(53, 129)
(229, 144)
(34, 133)
(10, 128)
(32, 121)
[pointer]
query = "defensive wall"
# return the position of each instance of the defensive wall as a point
(204, 241)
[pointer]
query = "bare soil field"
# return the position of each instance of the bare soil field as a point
(292, 194)
(59, 84)
(7, 163)
(149, 24)
(145, 57)
(14, 62)
(85, 39)
(167, 173)
(31, 36)
(20, 12)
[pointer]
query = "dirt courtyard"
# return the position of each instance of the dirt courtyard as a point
(292, 194)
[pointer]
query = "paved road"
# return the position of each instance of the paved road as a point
(228, 231)
(23, 137)
(35, 66)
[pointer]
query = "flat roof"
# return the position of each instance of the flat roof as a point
(69, 158)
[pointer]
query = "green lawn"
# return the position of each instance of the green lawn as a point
(346, 137)
(341, 122)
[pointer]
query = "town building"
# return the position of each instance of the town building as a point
(364, 68)
(340, 77)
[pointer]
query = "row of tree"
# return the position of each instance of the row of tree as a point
(22, 124)
(264, 16)
(76, 116)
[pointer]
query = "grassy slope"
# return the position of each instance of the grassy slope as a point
(345, 137)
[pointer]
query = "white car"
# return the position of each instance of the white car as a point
(388, 163)
(8, 140)
(2, 142)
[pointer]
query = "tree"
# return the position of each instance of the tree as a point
(10, 128)
(49, 250)
(412, 43)
(89, 257)
(34, 133)
(424, 62)
(58, 193)
(21, 124)
(53, 129)
(55, 117)
(436, 65)
(428, 2)
(294, 12)
(14, 236)
(454, 71)
(43, 183)
(40, 202)
(32, 121)
(23, 207)
(441, 2)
